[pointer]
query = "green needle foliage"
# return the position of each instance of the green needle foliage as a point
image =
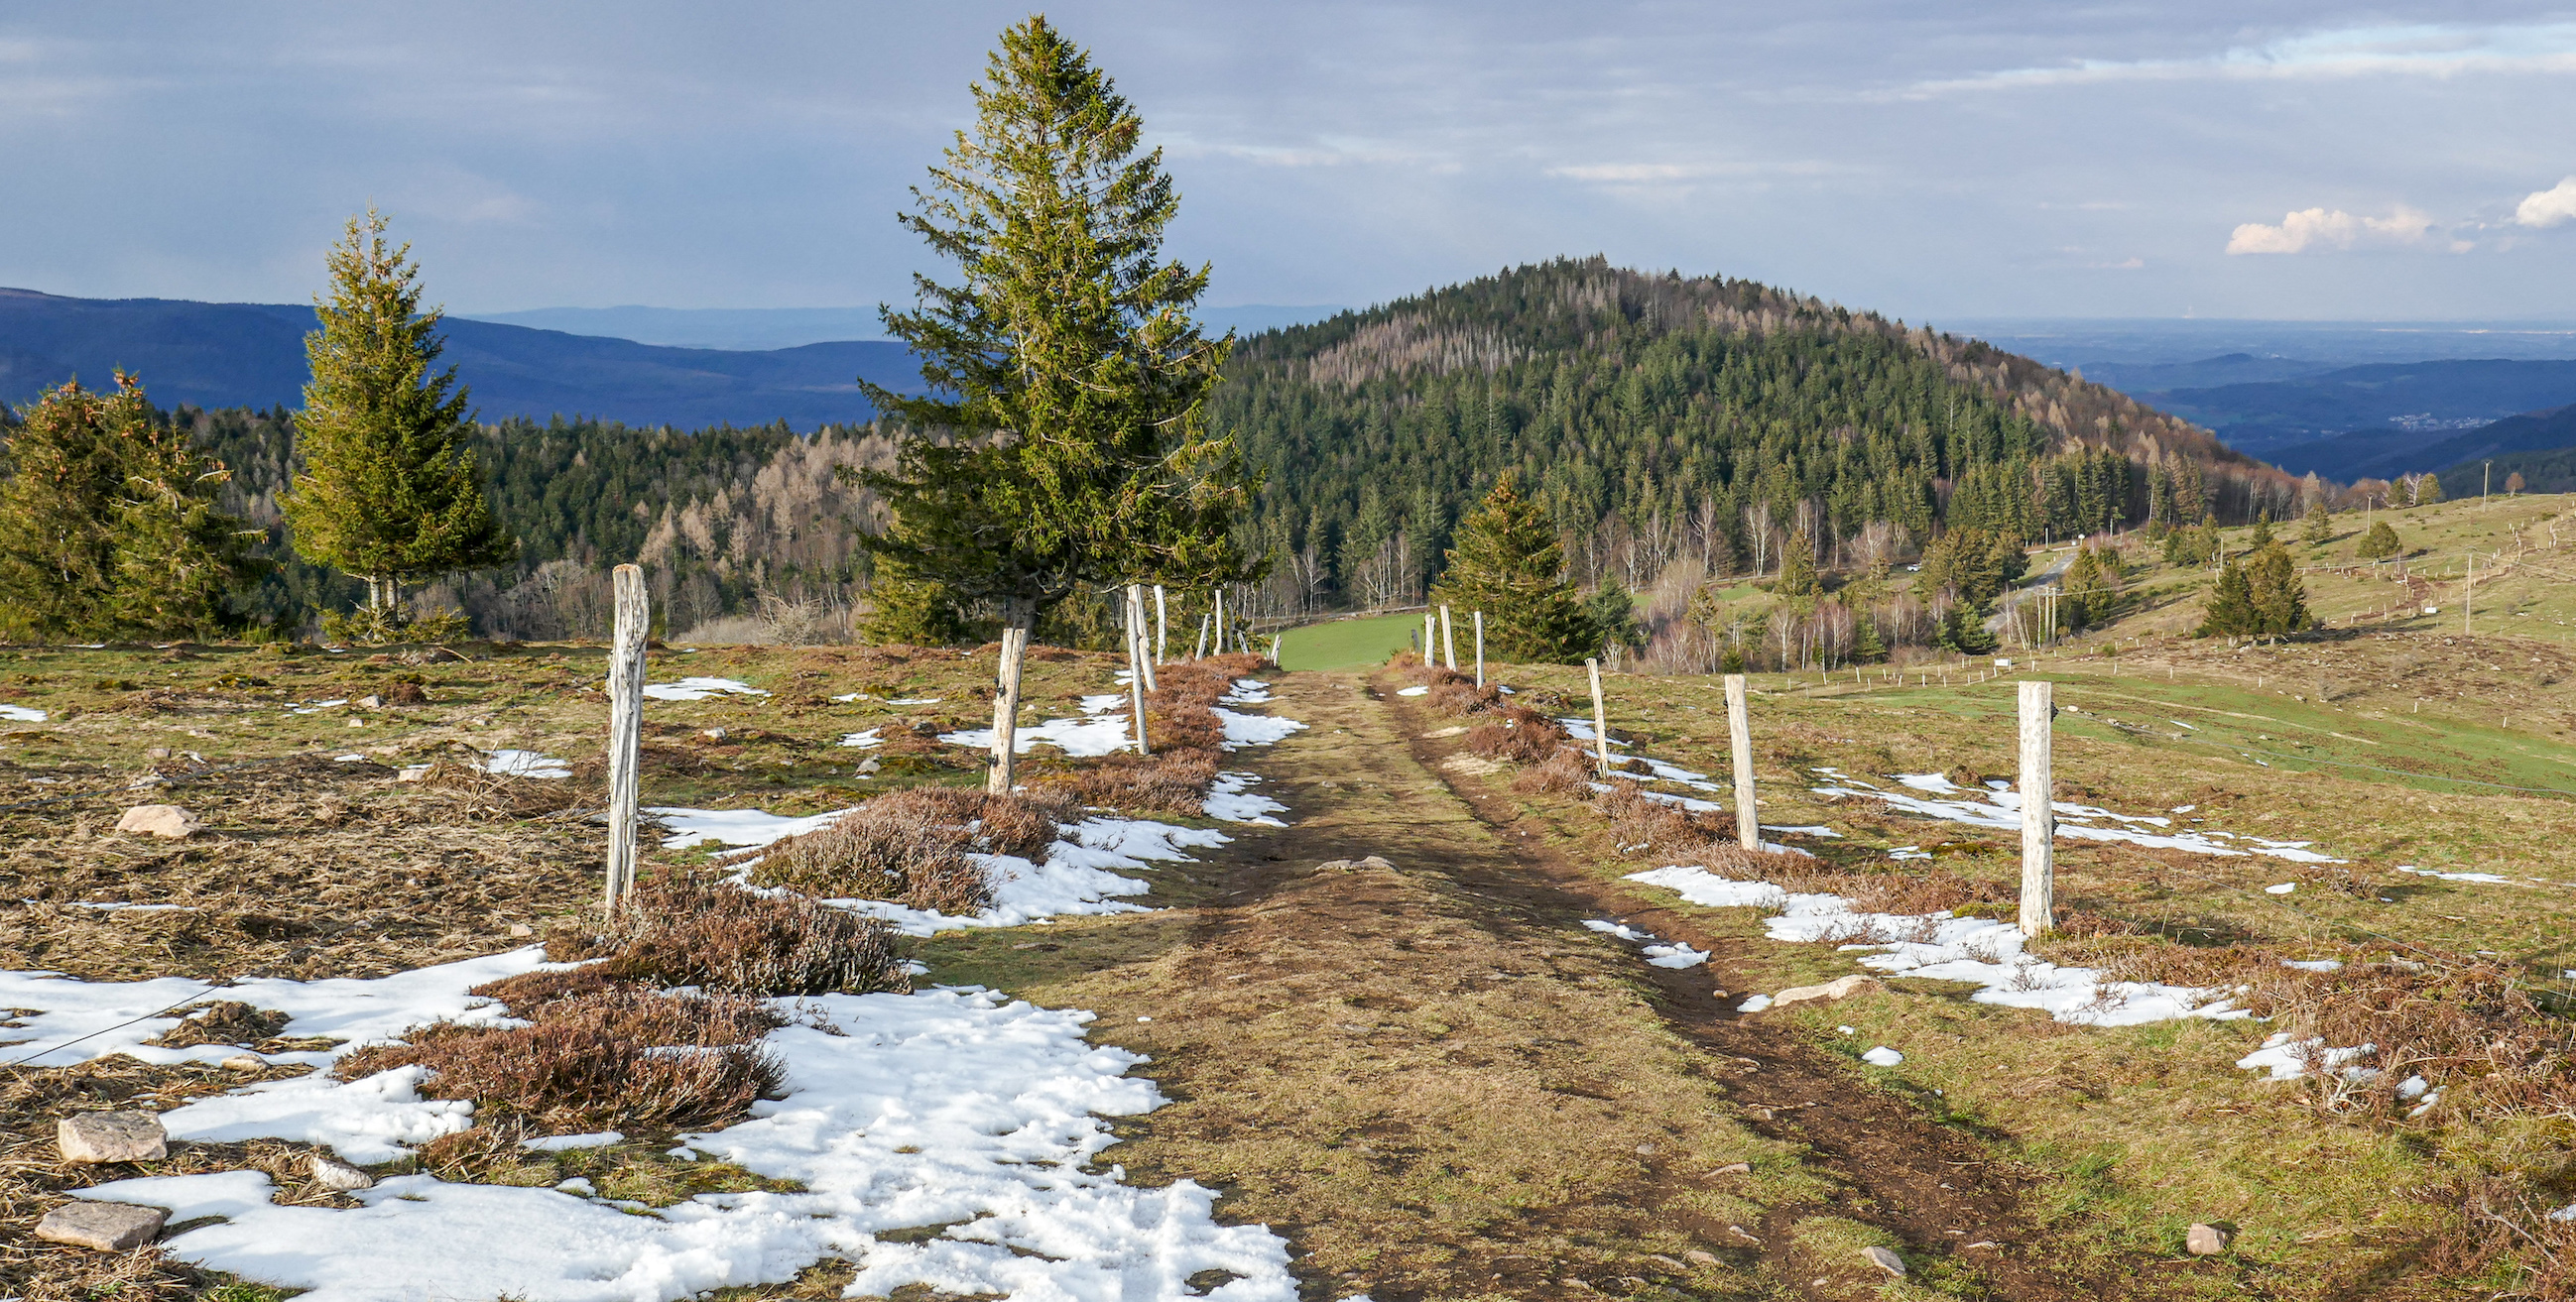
(2261, 597)
(2379, 543)
(388, 492)
(1508, 563)
(108, 525)
(2320, 526)
(1064, 440)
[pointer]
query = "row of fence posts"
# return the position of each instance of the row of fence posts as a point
(2037, 785)
(626, 727)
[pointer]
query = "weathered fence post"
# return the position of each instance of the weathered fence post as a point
(1600, 719)
(1201, 652)
(1220, 621)
(1136, 669)
(2038, 811)
(1739, 738)
(1162, 625)
(1136, 621)
(1480, 650)
(625, 728)
(1429, 647)
(1448, 640)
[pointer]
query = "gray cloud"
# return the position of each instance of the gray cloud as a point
(2021, 159)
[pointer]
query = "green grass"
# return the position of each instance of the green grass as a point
(1352, 643)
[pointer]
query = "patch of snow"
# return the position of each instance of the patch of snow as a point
(21, 714)
(1247, 691)
(699, 689)
(1418, 690)
(2288, 1059)
(1253, 729)
(346, 759)
(312, 707)
(952, 1107)
(1882, 1056)
(1754, 1004)
(741, 828)
(2000, 810)
(1229, 800)
(851, 696)
(1100, 734)
(523, 764)
(2314, 964)
(1080, 876)
(2280, 888)
(1676, 954)
(864, 740)
(1982, 951)
(915, 700)
(560, 1143)
(2489, 878)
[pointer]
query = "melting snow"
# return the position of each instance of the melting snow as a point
(1413, 691)
(1677, 954)
(21, 714)
(523, 764)
(1229, 800)
(2000, 810)
(863, 739)
(2489, 878)
(699, 689)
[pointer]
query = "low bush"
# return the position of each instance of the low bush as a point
(621, 1057)
(915, 847)
(1565, 773)
(718, 936)
(1518, 734)
(1168, 782)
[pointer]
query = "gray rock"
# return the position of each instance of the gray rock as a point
(521, 930)
(332, 1173)
(1884, 1260)
(2206, 1240)
(1734, 1168)
(371, 702)
(167, 821)
(111, 1137)
(108, 1227)
(244, 1062)
(1702, 1257)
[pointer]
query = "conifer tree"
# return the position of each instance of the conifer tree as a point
(1867, 646)
(2320, 526)
(1508, 563)
(1063, 442)
(388, 492)
(2379, 543)
(2428, 489)
(2091, 586)
(2230, 611)
(1798, 567)
(2280, 603)
(109, 527)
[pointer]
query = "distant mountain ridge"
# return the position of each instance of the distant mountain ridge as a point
(2415, 404)
(219, 355)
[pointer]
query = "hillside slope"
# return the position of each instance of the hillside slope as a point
(219, 355)
(1662, 416)
(2391, 411)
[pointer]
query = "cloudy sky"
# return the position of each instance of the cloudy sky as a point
(1936, 161)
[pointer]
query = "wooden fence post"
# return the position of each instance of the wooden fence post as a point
(625, 728)
(1480, 650)
(1220, 621)
(1600, 719)
(1136, 668)
(1136, 620)
(1201, 652)
(1448, 640)
(1430, 648)
(2038, 811)
(1739, 737)
(1162, 625)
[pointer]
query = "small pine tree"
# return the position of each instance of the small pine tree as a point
(2320, 526)
(1867, 646)
(2230, 611)
(1614, 616)
(108, 525)
(2262, 536)
(1508, 563)
(2272, 581)
(2428, 489)
(1963, 631)
(2091, 588)
(1798, 567)
(389, 492)
(2379, 543)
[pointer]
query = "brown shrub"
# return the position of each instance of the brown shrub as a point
(620, 1057)
(722, 937)
(1515, 733)
(1560, 774)
(1458, 695)
(1170, 782)
(913, 846)
(225, 1021)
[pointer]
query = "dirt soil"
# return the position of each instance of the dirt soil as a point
(1495, 1101)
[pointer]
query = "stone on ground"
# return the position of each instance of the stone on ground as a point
(332, 1173)
(167, 821)
(2205, 1240)
(111, 1137)
(1885, 1260)
(108, 1227)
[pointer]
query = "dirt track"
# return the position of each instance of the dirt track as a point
(1442, 1086)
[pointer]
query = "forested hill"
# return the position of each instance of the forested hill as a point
(1662, 416)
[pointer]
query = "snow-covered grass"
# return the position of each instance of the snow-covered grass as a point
(523, 764)
(21, 714)
(699, 689)
(1998, 808)
(953, 1107)
(1981, 951)
(1675, 954)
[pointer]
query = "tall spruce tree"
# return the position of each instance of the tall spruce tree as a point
(1063, 441)
(2280, 602)
(388, 491)
(2230, 612)
(2320, 526)
(109, 526)
(1507, 562)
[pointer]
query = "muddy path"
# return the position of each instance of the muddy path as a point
(1439, 1084)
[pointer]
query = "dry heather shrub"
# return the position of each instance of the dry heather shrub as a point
(225, 1021)
(1519, 734)
(722, 937)
(914, 847)
(622, 1057)
(1170, 782)
(1563, 773)
(1457, 694)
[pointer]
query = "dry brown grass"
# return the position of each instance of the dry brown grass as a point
(686, 932)
(1562, 774)
(915, 847)
(1168, 782)
(620, 1057)
(1519, 734)
(225, 1021)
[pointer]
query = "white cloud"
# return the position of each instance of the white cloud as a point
(2422, 50)
(2318, 228)
(2545, 208)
